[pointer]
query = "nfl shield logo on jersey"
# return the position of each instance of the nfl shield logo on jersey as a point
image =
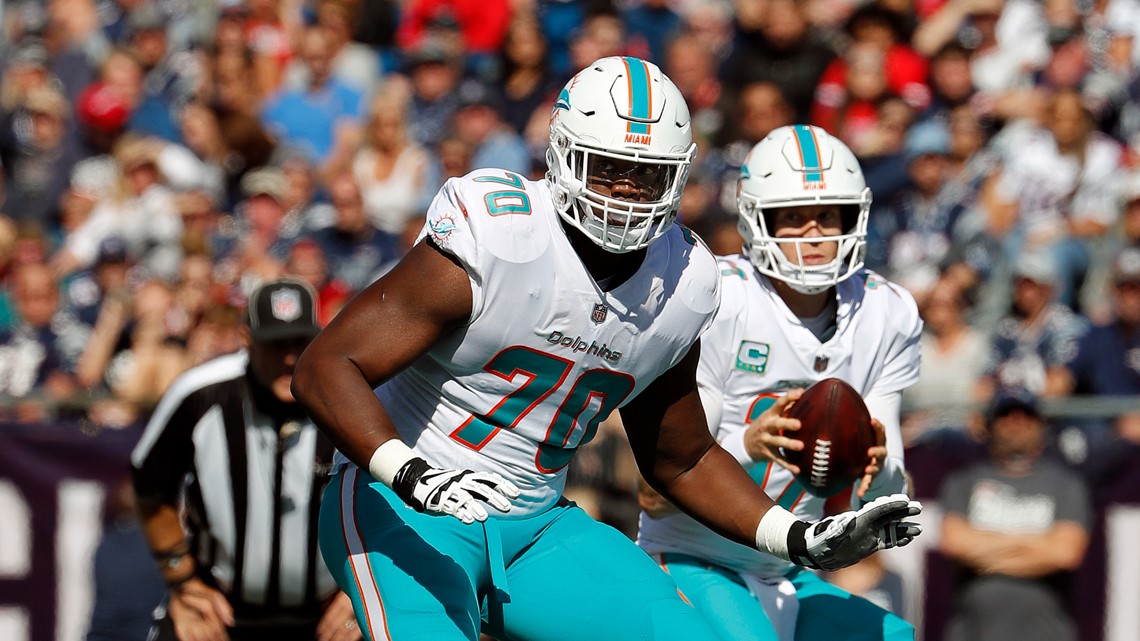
(599, 313)
(821, 363)
(286, 304)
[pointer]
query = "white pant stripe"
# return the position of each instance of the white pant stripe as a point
(358, 559)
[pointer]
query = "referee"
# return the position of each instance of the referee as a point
(229, 473)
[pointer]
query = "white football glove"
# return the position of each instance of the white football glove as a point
(847, 538)
(453, 492)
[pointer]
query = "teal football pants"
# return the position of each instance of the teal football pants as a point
(826, 612)
(555, 576)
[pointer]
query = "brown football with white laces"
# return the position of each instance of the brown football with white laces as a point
(835, 427)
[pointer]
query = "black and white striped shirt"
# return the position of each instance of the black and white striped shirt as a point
(251, 485)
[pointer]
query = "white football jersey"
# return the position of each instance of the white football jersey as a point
(547, 354)
(755, 351)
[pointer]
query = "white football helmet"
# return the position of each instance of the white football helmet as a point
(797, 166)
(619, 118)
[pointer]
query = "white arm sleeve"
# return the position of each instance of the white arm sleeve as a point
(886, 408)
(892, 478)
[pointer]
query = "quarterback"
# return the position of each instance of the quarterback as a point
(459, 386)
(797, 309)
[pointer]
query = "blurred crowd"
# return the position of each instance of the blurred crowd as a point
(161, 157)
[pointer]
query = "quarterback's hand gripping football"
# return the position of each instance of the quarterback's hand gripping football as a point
(453, 492)
(847, 538)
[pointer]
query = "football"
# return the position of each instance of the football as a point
(835, 427)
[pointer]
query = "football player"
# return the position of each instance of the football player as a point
(526, 313)
(796, 308)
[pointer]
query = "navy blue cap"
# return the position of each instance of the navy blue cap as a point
(1011, 399)
(112, 249)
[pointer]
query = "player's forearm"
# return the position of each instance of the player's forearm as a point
(719, 493)
(338, 398)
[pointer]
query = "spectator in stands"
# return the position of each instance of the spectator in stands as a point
(1016, 527)
(1031, 345)
(41, 157)
(910, 237)
(904, 70)
(243, 563)
(478, 122)
(303, 209)
(27, 69)
(88, 289)
(38, 354)
(1008, 38)
(850, 110)
(194, 293)
(950, 83)
(601, 34)
(172, 77)
(692, 64)
(268, 36)
(391, 171)
(141, 211)
(258, 248)
(1107, 361)
(354, 64)
(130, 352)
(953, 354)
(308, 262)
(106, 106)
(779, 46)
(759, 108)
(482, 25)
(1056, 190)
(651, 26)
(91, 181)
(1069, 60)
(527, 79)
(356, 250)
(435, 69)
(1098, 288)
(233, 87)
(201, 133)
(325, 110)
(218, 332)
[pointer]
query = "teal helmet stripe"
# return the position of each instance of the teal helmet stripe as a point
(809, 152)
(640, 105)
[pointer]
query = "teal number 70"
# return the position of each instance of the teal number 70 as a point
(506, 201)
(545, 373)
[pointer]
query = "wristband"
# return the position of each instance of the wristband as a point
(180, 581)
(404, 485)
(774, 531)
(389, 459)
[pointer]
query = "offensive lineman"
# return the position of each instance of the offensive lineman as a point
(798, 309)
(525, 315)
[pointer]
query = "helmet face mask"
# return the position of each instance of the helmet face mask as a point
(619, 155)
(800, 166)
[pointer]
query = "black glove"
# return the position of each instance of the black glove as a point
(454, 492)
